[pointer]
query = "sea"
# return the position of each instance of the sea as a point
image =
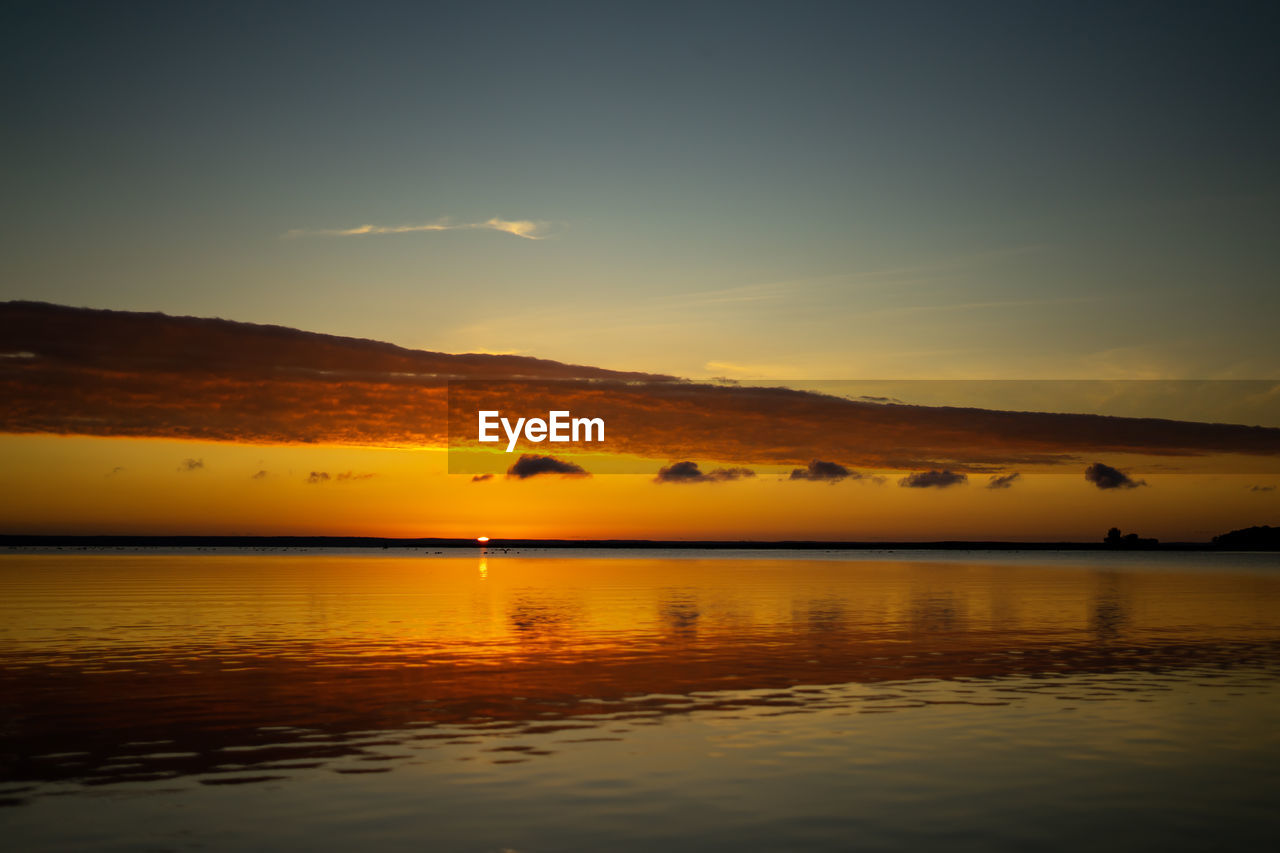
(649, 700)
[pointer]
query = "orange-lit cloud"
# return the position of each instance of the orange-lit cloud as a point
(529, 229)
(107, 373)
(87, 372)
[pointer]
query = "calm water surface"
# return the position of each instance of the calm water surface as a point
(541, 701)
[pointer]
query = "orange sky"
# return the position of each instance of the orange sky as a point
(120, 423)
(58, 484)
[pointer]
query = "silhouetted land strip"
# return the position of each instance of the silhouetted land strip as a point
(275, 542)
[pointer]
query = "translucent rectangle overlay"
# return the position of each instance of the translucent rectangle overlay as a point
(788, 426)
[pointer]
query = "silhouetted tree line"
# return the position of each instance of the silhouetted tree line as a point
(1264, 536)
(1128, 540)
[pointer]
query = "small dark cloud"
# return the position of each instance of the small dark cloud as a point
(830, 472)
(114, 471)
(531, 465)
(1106, 477)
(318, 477)
(1003, 481)
(480, 478)
(1252, 489)
(689, 472)
(191, 465)
(261, 475)
(867, 398)
(679, 472)
(932, 479)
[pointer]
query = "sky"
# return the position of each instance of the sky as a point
(766, 191)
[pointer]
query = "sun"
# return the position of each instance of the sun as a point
(482, 539)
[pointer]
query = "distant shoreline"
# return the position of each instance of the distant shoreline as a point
(45, 541)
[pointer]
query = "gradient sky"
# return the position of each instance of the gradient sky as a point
(885, 190)
(801, 191)
(121, 422)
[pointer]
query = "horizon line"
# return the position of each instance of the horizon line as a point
(13, 541)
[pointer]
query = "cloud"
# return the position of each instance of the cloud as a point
(1252, 489)
(128, 374)
(318, 477)
(728, 371)
(932, 479)
(191, 465)
(480, 478)
(1002, 481)
(114, 471)
(1106, 477)
(261, 475)
(830, 472)
(529, 229)
(531, 465)
(688, 472)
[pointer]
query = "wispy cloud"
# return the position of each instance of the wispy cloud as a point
(529, 229)
(731, 370)
(1002, 481)
(902, 310)
(728, 295)
(316, 478)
